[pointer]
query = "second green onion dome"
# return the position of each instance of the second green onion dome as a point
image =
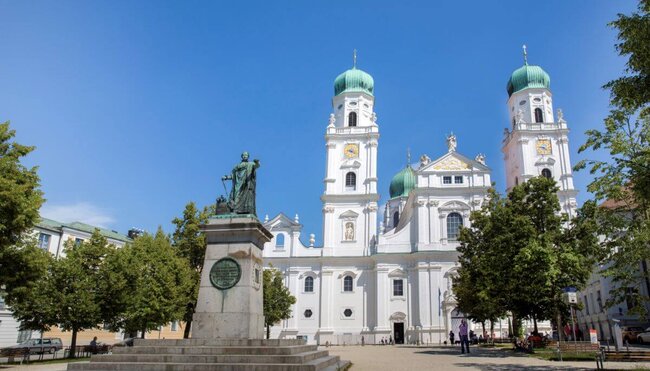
(528, 77)
(354, 80)
(403, 183)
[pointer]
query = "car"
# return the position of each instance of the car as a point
(643, 337)
(631, 333)
(48, 345)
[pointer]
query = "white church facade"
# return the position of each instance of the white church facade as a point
(392, 278)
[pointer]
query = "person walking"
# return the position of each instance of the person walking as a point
(451, 337)
(462, 332)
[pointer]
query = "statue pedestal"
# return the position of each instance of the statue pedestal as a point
(230, 302)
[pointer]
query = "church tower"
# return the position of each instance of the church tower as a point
(350, 196)
(537, 142)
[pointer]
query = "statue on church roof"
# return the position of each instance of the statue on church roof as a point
(332, 120)
(242, 194)
(560, 116)
(520, 117)
(480, 158)
(451, 142)
(424, 160)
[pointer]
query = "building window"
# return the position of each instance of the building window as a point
(631, 294)
(44, 241)
(347, 284)
(347, 312)
(175, 326)
(395, 219)
(516, 181)
(599, 300)
(546, 173)
(446, 179)
(586, 305)
(352, 119)
(539, 116)
(454, 222)
(78, 241)
(398, 287)
(458, 179)
(2, 301)
(309, 284)
(279, 240)
(308, 313)
(351, 181)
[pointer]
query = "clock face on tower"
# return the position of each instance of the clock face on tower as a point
(543, 147)
(351, 150)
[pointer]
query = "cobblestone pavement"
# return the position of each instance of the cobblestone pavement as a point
(397, 358)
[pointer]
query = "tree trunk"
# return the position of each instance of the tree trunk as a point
(492, 330)
(483, 326)
(535, 325)
(73, 344)
(268, 331)
(188, 328)
(144, 331)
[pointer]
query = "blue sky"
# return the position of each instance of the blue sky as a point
(137, 107)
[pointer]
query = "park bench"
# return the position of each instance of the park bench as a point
(632, 356)
(12, 353)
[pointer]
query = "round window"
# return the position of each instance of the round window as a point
(353, 103)
(308, 313)
(522, 102)
(347, 312)
(340, 106)
(537, 100)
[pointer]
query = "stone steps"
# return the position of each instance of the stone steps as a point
(322, 364)
(214, 350)
(215, 354)
(200, 358)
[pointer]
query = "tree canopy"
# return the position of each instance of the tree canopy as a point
(277, 299)
(621, 181)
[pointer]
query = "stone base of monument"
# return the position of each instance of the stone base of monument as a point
(215, 354)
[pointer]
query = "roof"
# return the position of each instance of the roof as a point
(83, 227)
(403, 182)
(354, 80)
(528, 76)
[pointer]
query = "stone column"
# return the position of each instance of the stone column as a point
(230, 303)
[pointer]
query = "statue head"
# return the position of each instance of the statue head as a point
(244, 156)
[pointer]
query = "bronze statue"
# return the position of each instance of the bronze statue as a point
(242, 194)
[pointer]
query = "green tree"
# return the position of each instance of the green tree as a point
(544, 254)
(148, 284)
(190, 243)
(75, 288)
(277, 299)
(20, 197)
(622, 180)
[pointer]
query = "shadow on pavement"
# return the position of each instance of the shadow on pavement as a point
(474, 352)
(510, 367)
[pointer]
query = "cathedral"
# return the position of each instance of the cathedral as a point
(392, 278)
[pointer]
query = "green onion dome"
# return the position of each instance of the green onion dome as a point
(354, 81)
(403, 182)
(528, 77)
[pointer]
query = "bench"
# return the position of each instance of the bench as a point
(12, 353)
(631, 356)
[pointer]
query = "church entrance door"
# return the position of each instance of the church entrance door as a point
(398, 329)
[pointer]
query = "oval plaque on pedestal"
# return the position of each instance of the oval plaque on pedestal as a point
(225, 273)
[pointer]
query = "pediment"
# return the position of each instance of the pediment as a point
(349, 215)
(281, 222)
(351, 164)
(454, 206)
(545, 161)
(453, 161)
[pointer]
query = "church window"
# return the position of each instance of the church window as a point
(44, 241)
(395, 219)
(516, 181)
(351, 181)
(309, 284)
(398, 287)
(539, 116)
(340, 106)
(521, 103)
(454, 222)
(347, 312)
(352, 119)
(446, 179)
(458, 179)
(347, 284)
(308, 313)
(546, 173)
(279, 240)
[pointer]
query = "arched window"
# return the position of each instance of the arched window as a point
(279, 240)
(454, 222)
(309, 284)
(351, 181)
(546, 173)
(352, 119)
(347, 284)
(516, 181)
(539, 116)
(395, 219)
